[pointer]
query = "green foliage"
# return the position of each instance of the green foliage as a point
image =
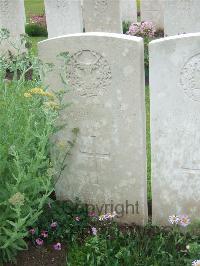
(148, 142)
(131, 246)
(138, 4)
(36, 30)
(146, 53)
(126, 25)
(114, 244)
(194, 251)
(34, 41)
(27, 123)
(71, 218)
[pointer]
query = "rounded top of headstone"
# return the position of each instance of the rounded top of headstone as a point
(97, 34)
(175, 37)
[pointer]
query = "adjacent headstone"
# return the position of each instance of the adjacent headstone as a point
(153, 10)
(175, 126)
(129, 10)
(102, 15)
(181, 16)
(107, 166)
(63, 17)
(12, 14)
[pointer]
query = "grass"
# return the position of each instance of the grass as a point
(138, 4)
(35, 41)
(35, 7)
(148, 142)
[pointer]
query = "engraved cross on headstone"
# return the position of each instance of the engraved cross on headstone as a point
(95, 155)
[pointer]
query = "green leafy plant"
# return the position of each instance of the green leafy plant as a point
(125, 26)
(37, 26)
(35, 30)
(64, 221)
(130, 245)
(113, 244)
(27, 121)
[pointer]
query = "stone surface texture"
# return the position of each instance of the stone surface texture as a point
(102, 16)
(63, 17)
(153, 10)
(129, 10)
(12, 14)
(107, 165)
(175, 126)
(181, 16)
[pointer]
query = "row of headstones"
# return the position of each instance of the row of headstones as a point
(107, 165)
(65, 16)
(174, 16)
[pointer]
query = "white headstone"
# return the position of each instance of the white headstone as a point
(129, 10)
(153, 10)
(108, 162)
(102, 15)
(12, 14)
(175, 126)
(181, 16)
(63, 17)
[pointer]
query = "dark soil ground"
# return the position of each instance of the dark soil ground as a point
(42, 256)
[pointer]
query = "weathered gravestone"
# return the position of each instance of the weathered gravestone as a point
(153, 10)
(129, 10)
(175, 126)
(108, 162)
(181, 16)
(63, 17)
(12, 14)
(102, 15)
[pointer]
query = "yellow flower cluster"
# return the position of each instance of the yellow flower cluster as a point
(38, 91)
(17, 199)
(27, 95)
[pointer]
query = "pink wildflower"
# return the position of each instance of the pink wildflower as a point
(134, 29)
(174, 219)
(32, 231)
(39, 241)
(38, 19)
(184, 220)
(91, 214)
(77, 218)
(142, 29)
(57, 246)
(54, 225)
(147, 29)
(44, 234)
(94, 231)
(107, 216)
